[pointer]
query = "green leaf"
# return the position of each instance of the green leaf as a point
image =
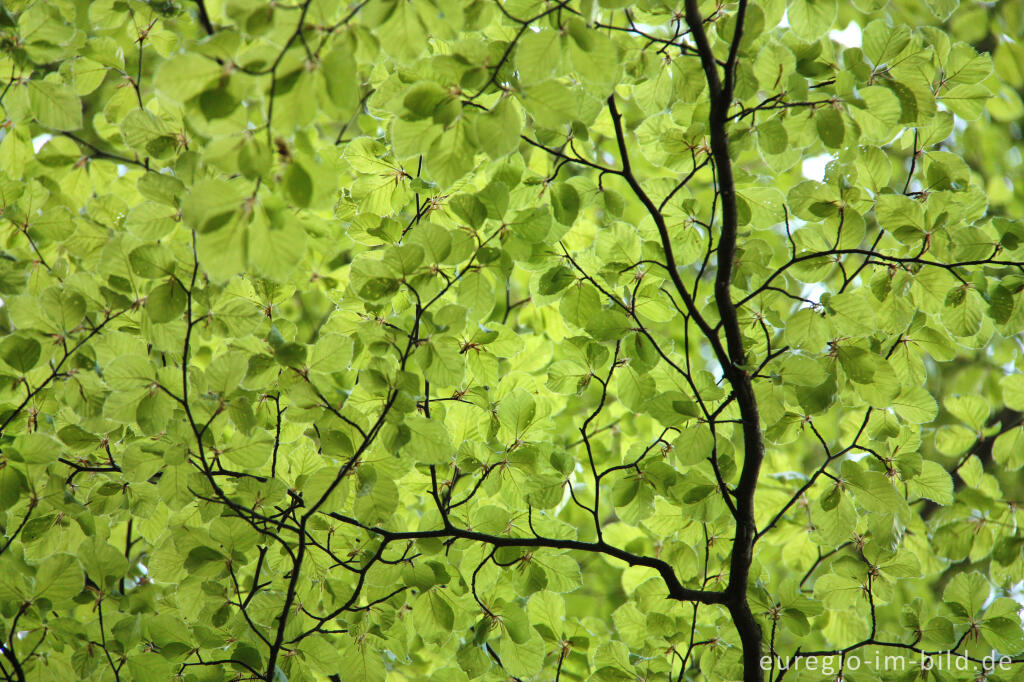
(151, 261)
(442, 361)
(451, 155)
(331, 353)
(538, 54)
(608, 324)
(916, 405)
(516, 412)
(144, 132)
(831, 129)
(185, 76)
(565, 203)
(339, 71)
(434, 616)
(807, 329)
(1013, 391)
(424, 99)
(533, 225)
(547, 613)
(524, 659)
(20, 352)
(595, 58)
(103, 560)
(55, 105)
(469, 208)
(1004, 634)
(298, 185)
(1008, 449)
(671, 408)
(811, 19)
(166, 302)
(772, 136)
(874, 491)
(429, 441)
(967, 100)
(129, 372)
(150, 221)
(163, 189)
(765, 206)
(962, 312)
(552, 104)
(942, 9)
(291, 354)
(895, 211)
(858, 364)
(973, 410)
(579, 304)
(556, 279)
(476, 292)
(173, 487)
(954, 439)
(148, 665)
(933, 483)
(497, 132)
(966, 594)
(635, 389)
(59, 578)
(882, 43)
(877, 110)
(801, 370)
(211, 205)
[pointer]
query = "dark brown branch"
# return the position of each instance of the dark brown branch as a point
(753, 444)
(204, 18)
(675, 587)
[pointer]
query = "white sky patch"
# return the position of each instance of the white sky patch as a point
(848, 37)
(813, 291)
(1017, 594)
(814, 167)
(39, 140)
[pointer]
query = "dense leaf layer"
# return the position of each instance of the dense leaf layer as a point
(472, 340)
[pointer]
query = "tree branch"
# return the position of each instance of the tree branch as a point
(753, 443)
(675, 587)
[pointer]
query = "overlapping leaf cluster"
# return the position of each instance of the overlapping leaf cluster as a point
(416, 339)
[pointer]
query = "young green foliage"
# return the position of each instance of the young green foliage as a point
(483, 339)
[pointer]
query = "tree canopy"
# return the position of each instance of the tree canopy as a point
(489, 339)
